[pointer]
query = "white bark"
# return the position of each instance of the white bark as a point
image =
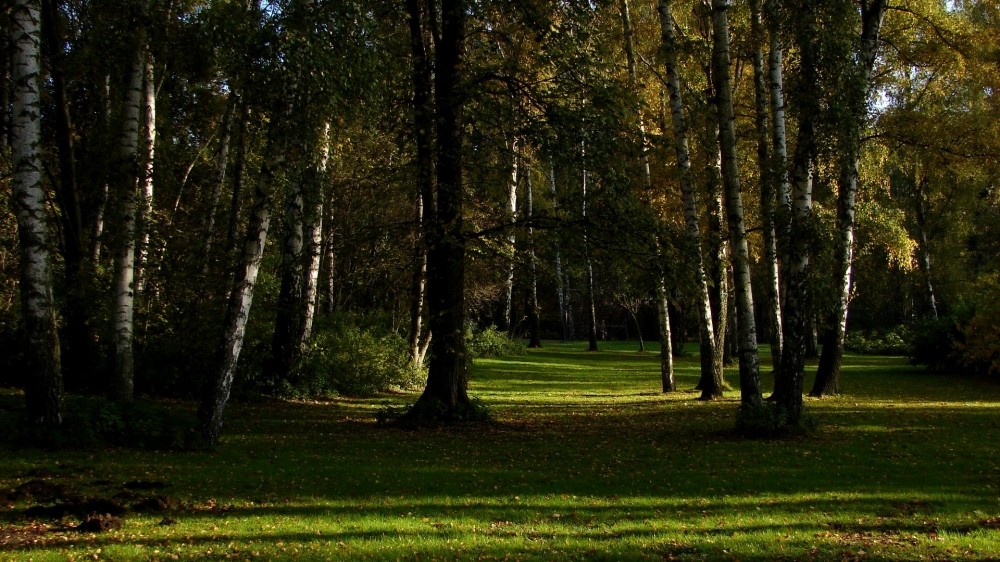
(145, 218)
(314, 240)
(128, 175)
(511, 249)
(43, 392)
(560, 280)
(689, 196)
(210, 414)
(746, 327)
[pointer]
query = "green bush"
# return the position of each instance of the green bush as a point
(349, 359)
(894, 341)
(95, 422)
(490, 342)
(934, 343)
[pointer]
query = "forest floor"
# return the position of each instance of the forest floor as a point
(587, 460)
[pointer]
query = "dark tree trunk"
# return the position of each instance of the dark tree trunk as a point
(447, 380)
(534, 338)
(80, 355)
(423, 132)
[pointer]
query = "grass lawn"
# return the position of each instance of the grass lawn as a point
(587, 461)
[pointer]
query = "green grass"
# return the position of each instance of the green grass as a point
(587, 461)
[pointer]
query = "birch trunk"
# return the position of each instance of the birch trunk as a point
(561, 288)
(221, 163)
(313, 234)
(534, 338)
(667, 380)
(423, 127)
(285, 349)
(750, 393)
(144, 219)
(713, 386)
(127, 183)
(213, 405)
(796, 248)
(507, 305)
(239, 166)
(591, 305)
(859, 85)
(768, 181)
(689, 197)
(79, 351)
(923, 245)
(43, 391)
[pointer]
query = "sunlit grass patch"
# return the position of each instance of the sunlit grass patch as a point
(586, 460)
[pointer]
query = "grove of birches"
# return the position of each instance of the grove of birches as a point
(212, 200)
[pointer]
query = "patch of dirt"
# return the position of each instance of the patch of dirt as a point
(156, 504)
(40, 491)
(100, 523)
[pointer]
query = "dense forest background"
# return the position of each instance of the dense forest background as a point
(303, 197)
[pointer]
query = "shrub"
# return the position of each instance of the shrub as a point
(490, 342)
(979, 346)
(894, 341)
(934, 343)
(349, 359)
(92, 422)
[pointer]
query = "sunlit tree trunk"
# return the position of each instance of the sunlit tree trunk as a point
(313, 238)
(510, 251)
(43, 390)
(127, 176)
(923, 244)
(689, 197)
(144, 219)
(796, 306)
(750, 392)
(768, 180)
(856, 93)
(216, 395)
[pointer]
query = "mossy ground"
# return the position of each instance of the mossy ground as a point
(586, 460)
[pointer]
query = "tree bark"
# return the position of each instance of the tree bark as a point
(750, 393)
(285, 341)
(591, 305)
(447, 380)
(221, 163)
(79, 352)
(768, 180)
(43, 390)
(923, 243)
(796, 248)
(127, 179)
(858, 86)
(712, 386)
(313, 236)
(144, 219)
(561, 289)
(216, 395)
(507, 304)
(534, 337)
(689, 196)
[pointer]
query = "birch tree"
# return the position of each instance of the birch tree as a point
(43, 391)
(689, 198)
(127, 176)
(858, 73)
(746, 327)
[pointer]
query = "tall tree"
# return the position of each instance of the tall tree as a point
(447, 379)
(689, 197)
(797, 246)
(858, 71)
(127, 176)
(746, 328)
(43, 390)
